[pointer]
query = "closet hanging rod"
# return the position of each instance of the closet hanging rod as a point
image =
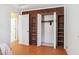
(48, 21)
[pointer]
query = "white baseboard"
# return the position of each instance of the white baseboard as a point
(48, 44)
(71, 52)
(66, 50)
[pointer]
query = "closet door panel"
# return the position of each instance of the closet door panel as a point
(24, 29)
(39, 37)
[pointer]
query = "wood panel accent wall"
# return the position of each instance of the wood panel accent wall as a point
(33, 20)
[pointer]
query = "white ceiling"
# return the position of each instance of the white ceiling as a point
(33, 6)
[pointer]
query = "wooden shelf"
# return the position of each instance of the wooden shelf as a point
(60, 28)
(60, 41)
(60, 36)
(34, 34)
(60, 32)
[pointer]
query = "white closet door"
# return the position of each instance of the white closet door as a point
(54, 29)
(39, 18)
(24, 29)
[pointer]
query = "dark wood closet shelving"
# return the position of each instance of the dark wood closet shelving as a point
(33, 33)
(60, 31)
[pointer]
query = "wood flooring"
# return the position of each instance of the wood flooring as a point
(18, 49)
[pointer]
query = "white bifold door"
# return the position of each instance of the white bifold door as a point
(23, 29)
(39, 31)
(40, 34)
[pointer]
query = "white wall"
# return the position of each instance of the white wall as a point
(5, 19)
(72, 29)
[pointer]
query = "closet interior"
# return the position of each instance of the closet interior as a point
(47, 30)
